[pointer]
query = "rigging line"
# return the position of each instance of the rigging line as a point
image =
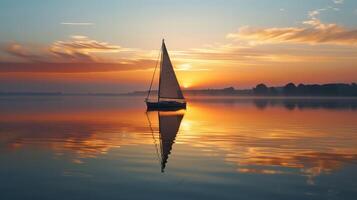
(153, 76)
(152, 133)
(161, 144)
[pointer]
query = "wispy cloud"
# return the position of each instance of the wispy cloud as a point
(314, 13)
(83, 43)
(188, 67)
(338, 1)
(76, 49)
(78, 23)
(80, 48)
(78, 67)
(315, 32)
(22, 52)
(76, 55)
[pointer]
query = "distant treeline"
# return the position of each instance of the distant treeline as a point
(290, 89)
(218, 92)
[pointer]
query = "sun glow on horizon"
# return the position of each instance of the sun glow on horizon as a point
(186, 85)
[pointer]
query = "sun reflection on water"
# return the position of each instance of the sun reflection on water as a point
(275, 140)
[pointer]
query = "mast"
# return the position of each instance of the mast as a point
(162, 55)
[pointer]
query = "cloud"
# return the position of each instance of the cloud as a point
(226, 52)
(85, 44)
(76, 49)
(21, 52)
(79, 54)
(81, 48)
(315, 33)
(338, 1)
(51, 54)
(314, 13)
(189, 68)
(78, 23)
(78, 67)
(72, 56)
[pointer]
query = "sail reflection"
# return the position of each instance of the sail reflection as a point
(169, 125)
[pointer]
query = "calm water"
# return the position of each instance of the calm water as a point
(219, 148)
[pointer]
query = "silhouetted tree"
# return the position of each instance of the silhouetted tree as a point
(301, 89)
(261, 89)
(289, 89)
(330, 89)
(273, 91)
(228, 89)
(354, 89)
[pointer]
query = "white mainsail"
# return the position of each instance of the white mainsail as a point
(168, 84)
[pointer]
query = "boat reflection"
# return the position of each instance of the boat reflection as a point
(169, 125)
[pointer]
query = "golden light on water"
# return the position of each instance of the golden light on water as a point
(238, 132)
(247, 134)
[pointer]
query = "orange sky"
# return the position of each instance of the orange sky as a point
(316, 46)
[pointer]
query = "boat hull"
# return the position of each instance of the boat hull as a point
(166, 105)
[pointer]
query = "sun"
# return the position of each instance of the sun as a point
(186, 85)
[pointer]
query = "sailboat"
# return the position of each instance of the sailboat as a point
(169, 96)
(169, 125)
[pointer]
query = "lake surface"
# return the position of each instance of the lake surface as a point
(91, 147)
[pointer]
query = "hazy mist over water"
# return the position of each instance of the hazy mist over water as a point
(88, 147)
